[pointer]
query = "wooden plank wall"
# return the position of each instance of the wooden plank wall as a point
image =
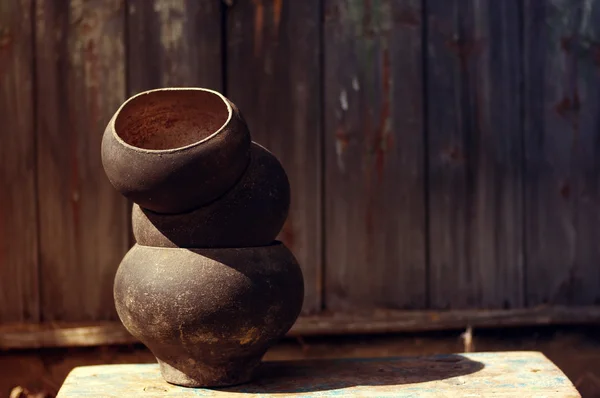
(19, 284)
(474, 155)
(374, 174)
(443, 154)
(562, 145)
(273, 75)
(80, 82)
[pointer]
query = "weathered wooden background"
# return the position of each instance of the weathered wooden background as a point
(443, 154)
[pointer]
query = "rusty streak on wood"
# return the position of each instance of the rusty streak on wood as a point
(562, 126)
(19, 299)
(273, 75)
(83, 227)
(31, 336)
(375, 213)
(475, 154)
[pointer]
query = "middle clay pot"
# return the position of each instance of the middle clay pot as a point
(251, 214)
(208, 315)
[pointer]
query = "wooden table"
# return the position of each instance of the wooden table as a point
(501, 374)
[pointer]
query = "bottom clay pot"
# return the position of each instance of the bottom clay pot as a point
(208, 315)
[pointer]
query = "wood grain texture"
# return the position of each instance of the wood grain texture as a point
(19, 298)
(273, 75)
(174, 43)
(562, 137)
(486, 374)
(475, 154)
(83, 226)
(375, 203)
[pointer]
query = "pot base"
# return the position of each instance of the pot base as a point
(214, 376)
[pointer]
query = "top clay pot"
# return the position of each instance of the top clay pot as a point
(173, 150)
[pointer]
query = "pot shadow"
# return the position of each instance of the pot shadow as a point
(324, 375)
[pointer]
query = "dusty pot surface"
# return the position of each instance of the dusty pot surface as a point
(251, 214)
(173, 150)
(208, 315)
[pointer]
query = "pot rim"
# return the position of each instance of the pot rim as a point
(181, 148)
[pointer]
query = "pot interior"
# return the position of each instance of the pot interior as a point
(170, 119)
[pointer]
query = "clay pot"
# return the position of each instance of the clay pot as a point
(251, 214)
(174, 150)
(208, 315)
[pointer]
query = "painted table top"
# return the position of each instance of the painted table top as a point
(501, 374)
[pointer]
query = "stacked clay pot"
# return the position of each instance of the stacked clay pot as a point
(206, 287)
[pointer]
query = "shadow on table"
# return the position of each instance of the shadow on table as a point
(323, 375)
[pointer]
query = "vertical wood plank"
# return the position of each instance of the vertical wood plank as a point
(83, 225)
(475, 154)
(562, 139)
(19, 295)
(174, 43)
(273, 75)
(375, 203)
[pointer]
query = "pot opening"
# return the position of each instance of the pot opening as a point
(170, 119)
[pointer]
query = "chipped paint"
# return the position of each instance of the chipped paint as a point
(478, 374)
(170, 15)
(344, 100)
(277, 7)
(259, 11)
(355, 84)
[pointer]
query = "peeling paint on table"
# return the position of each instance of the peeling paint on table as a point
(501, 374)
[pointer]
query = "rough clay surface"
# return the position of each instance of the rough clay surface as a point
(208, 315)
(251, 214)
(170, 119)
